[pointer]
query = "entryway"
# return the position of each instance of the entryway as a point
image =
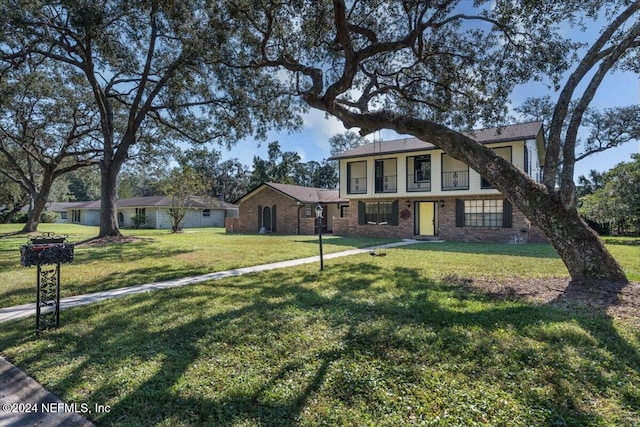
(426, 219)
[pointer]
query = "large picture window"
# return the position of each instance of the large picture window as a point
(483, 213)
(378, 213)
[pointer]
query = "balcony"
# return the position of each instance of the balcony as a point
(455, 180)
(357, 186)
(387, 184)
(417, 182)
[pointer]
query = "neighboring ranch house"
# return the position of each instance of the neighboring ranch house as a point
(286, 209)
(408, 188)
(201, 212)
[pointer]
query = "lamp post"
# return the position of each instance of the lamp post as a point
(319, 221)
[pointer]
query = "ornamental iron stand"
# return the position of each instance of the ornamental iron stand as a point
(47, 252)
(319, 220)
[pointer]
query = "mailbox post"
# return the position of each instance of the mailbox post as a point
(47, 252)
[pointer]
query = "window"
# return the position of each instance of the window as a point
(422, 169)
(309, 211)
(357, 177)
(63, 215)
(75, 215)
(378, 213)
(483, 213)
(206, 212)
(141, 211)
(344, 211)
(385, 176)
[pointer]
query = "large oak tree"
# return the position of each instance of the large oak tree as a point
(433, 69)
(46, 131)
(154, 62)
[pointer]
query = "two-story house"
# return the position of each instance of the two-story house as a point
(409, 188)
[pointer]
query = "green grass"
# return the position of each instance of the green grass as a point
(157, 255)
(369, 341)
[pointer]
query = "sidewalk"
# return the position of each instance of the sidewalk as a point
(26, 310)
(20, 394)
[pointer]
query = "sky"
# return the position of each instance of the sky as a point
(312, 142)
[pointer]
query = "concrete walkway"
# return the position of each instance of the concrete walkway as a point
(26, 310)
(24, 402)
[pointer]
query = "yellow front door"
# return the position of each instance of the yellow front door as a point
(427, 218)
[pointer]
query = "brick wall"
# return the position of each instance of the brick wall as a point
(447, 229)
(287, 212)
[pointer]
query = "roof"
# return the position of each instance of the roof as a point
(158, 201)
(300, 193)
(516, 132)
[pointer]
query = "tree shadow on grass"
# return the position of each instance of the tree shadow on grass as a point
(249, 350)
(531, 250)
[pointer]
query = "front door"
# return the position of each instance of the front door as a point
(427, 218)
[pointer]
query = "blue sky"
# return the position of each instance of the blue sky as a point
(619, 89)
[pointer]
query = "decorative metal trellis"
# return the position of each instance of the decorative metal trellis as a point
(47, 252)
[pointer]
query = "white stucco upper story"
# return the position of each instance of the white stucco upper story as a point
(410, 167)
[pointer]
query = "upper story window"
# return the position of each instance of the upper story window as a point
(386, 176)
(455, 174)
(357, 177)
(419, 173)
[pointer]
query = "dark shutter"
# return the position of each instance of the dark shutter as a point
(507, 214)
(362, 214)
(273, 218)
(395, 213)
(459, 213)
(259, 217)
(348, 178)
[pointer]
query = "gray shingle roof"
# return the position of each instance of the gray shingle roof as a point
(159, 201)
(307, 194)
(301, 194)
(516, 132)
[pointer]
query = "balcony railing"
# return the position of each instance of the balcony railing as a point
(357, 186)
(455, 180)
(386, 184)
(417, 182)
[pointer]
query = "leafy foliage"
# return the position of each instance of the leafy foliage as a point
(183, 186)
(617, 202)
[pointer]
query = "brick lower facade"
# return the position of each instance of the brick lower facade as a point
(521, 230)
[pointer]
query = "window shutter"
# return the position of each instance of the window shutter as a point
(395, 213)
(259, 217)
(362, 214)
(507, 214)
(459, 213)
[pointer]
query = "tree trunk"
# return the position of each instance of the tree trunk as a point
(9, 216)
(39, 204)
(579, 247)
(108, 200)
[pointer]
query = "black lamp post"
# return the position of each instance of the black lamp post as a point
(319, 221)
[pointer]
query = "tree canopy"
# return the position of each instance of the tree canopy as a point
(153, 70)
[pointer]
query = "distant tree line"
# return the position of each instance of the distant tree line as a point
(611, 201)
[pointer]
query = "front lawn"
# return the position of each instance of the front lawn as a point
(394, 340)
(155, 255)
